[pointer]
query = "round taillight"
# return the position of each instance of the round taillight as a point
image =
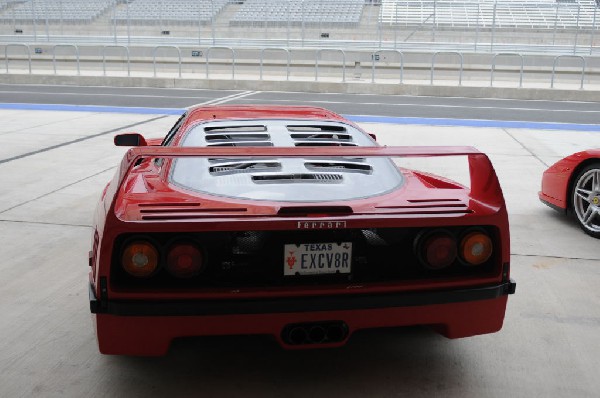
(438, 250)
(475, 248)
(140, 259)
(184, 260)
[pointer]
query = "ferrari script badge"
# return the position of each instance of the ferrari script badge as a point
(321, 224)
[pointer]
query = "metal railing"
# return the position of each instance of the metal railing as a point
(155, 50)
(104, 48)
(288, 60)
(232, 59)
(18, 46)
(377, 54)
(66, 46)
(460, 70)
(395, 69)
(318, 57)
(507, 55)
(577, 57)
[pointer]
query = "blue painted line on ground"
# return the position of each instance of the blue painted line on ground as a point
(93, 108)
(354, 118)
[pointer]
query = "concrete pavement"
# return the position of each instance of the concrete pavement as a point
(547, 348)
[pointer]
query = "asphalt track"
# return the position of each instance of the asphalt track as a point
(403, 109)
(56, 155)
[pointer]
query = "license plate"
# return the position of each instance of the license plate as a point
(317, 258)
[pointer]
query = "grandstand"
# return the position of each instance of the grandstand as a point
(169, 11)
(72, 11)
(515, 14)
(537, 14)
(478, 24)
(340, 13)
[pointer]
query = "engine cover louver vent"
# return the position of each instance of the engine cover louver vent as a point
(430, 206)
(237, 135)
(320, 135)
(298, 178)
(244, 166)
(183, 211)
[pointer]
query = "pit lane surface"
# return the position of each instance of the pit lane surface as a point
(53, 166)
(374, 105)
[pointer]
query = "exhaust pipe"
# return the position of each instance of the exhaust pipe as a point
(297, 335)
(337, 332)
(314, 333)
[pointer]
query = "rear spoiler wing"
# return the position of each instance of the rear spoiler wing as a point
(484, 181)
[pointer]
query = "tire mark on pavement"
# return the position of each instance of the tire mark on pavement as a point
(46, 223)
(56, 190)
(28, 154)
(525, 148)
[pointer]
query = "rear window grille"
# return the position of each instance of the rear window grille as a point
(235, 129)
(237, 136)
(327, 136)
(364, 168)
(241, 143)
(244, 167)
(323, 140)
(325, 128)
(323, 143)
(298, 178)
(320, 135)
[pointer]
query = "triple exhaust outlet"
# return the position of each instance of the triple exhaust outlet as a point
(315, 333)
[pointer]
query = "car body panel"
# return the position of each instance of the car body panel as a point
(152, 335)
(136, 317)
(557, 179)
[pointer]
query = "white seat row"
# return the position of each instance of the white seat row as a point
(297, 11)
(170, 10)
(537, 14)
(55, 10)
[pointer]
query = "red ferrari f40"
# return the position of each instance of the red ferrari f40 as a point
(291, 222)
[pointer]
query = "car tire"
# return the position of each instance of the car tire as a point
(585, 199)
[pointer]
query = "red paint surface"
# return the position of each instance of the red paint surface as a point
(557, 179)
(139, 187)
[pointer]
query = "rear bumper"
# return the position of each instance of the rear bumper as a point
(296, 304)
(147, 328)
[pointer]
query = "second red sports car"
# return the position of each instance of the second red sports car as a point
(572, 185)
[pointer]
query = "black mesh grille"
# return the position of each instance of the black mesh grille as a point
(324, 178)
(256, 258)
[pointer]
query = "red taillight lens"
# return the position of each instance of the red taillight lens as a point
(140, 259)
(475, 248)
(437, 250)
(184, 260)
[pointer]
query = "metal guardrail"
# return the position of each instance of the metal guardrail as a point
(377, 54)
(104, 58)
(17, 45)
(66, 46)
(372, 45)
(288, 57)
(578, 57)
(318, 56)
(313, 59)
(155, 50)
(460, 56)
(232, 59)
(507, 55)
